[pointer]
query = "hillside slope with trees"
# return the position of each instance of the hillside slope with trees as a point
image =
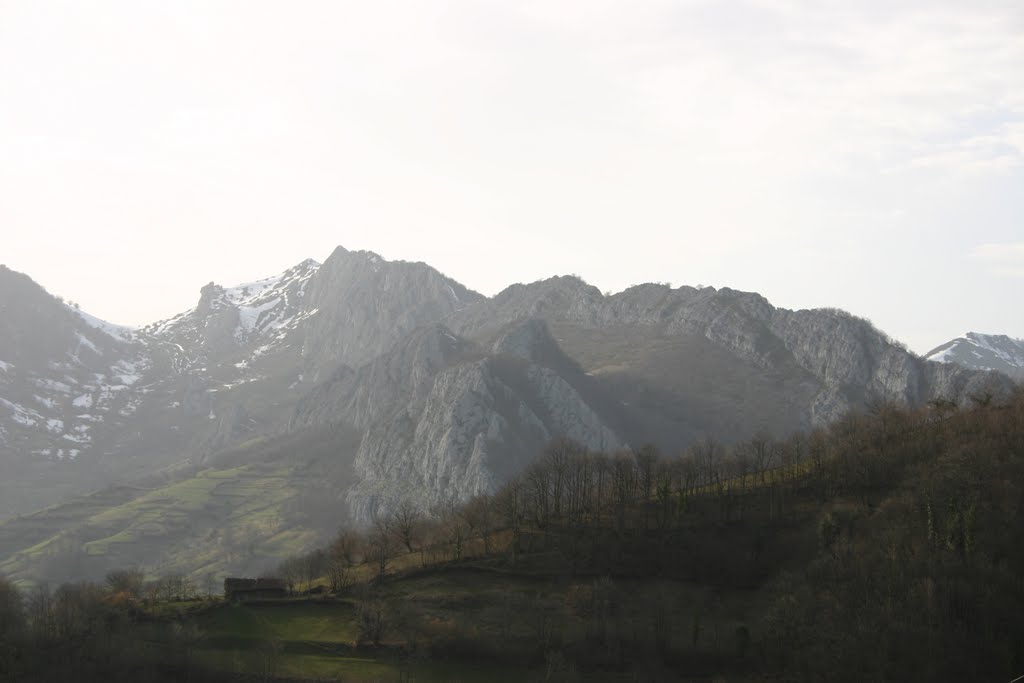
(886, 546)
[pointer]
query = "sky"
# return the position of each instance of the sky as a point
(864, 155)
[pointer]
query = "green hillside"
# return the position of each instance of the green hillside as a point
(228, 518)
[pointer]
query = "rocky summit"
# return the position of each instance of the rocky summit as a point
(427, 390)
(983, 352)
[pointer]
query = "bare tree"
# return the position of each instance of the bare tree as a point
(407, 520)
(578, 487)
(372, 616)
(537, 484)
(292, 571)
(663, 494)
(382, 543)
(480, 519)
(12, 611)
(339, 574)
(686, 472)
(741, 462)
(348, 546)
(456, 534)
(313, 565)
(341, 556)
(624, 486)
(126, 581)
(817, 450)
(508, 505)
(764, 453)
(40, 614)
(210, 583)
(599, 469)
(557, 457)
(646, 459)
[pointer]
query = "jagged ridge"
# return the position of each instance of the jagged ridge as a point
(454, 391)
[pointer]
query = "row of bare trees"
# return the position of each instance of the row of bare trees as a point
(569, 487)
(449, 532)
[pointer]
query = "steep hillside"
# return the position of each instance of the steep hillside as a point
(252, 505)
(70, 385)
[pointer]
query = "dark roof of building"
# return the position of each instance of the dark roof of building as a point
(261, 584)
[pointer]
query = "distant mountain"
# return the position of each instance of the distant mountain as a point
(423, 388)
(983, 352)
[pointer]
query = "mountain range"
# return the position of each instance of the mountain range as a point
(401, 383)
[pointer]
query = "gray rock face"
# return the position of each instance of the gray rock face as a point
(479, 423)
(445, 419)
(849, 360)
(365, 305)
(374, 391)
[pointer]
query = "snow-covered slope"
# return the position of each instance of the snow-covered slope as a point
(254, 316)
(67, 379)
(983, 352)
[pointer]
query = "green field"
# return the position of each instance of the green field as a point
(316, 639)
(220, 520)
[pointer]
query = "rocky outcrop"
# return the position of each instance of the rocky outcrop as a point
(365, 305)
(480, 422)
(445, 418)
(374, 391)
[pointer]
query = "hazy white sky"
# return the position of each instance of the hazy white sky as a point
(862, 154)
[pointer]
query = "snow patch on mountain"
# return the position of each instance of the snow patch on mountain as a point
(45, 401)
(20, 414)
(52, 385)
(983, 352)
(121, 333)
(84, 341)
(263, 311)
(272, 305)
(129, 372)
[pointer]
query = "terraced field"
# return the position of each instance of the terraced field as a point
(237, 519)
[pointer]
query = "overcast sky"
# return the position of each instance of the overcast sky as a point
(864, 154)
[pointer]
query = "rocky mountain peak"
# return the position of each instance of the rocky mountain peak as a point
(366, 303)
(209, 297)
(980, 351)
(553, 293)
